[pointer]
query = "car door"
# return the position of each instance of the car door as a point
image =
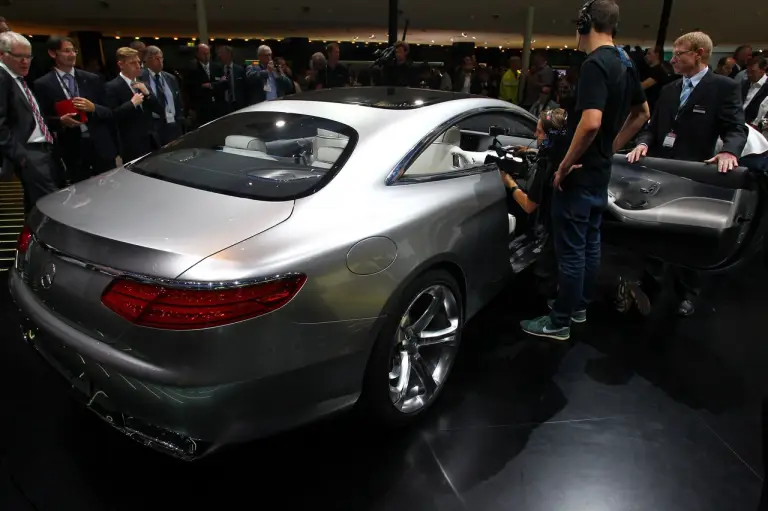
(685, 213)
(520, 130)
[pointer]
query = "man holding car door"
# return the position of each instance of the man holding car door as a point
(692, 114)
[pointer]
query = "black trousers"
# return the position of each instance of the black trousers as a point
(82, 160)
(43, 174)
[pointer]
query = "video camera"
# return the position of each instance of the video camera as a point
(514, 162)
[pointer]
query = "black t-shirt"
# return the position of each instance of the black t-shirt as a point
(333, 77)
(608, 85)
(662, 76)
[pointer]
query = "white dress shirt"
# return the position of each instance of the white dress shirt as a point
(754, 88)
(37, 136)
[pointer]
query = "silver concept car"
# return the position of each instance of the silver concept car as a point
(306, 254)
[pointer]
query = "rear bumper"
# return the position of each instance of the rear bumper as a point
(184, 421)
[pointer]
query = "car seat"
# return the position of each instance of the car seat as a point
(442, 155)
(246, 146)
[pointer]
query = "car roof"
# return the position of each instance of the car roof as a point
(390, 98)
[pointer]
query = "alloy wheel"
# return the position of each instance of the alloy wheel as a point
(426, 343)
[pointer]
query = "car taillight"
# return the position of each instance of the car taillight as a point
(25, 238)
(187, 309)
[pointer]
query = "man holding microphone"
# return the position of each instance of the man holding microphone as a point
(610, 109)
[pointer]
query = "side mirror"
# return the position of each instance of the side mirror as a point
(496, 131)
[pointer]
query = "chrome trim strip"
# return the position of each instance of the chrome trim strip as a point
(411, 155)
(158, 281)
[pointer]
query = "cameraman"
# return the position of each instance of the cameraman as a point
(552, 143)
(610, 109)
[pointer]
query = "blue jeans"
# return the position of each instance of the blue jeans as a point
(576, 217)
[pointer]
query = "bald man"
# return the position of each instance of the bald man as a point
(206, 86)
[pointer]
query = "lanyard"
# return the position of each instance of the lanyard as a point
(72, 94)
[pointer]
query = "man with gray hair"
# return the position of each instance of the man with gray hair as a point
(26, 143)
(165, 87)
(265, 80)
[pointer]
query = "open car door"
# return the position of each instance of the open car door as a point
(685, 213)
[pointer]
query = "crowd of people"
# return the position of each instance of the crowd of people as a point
(71, 124)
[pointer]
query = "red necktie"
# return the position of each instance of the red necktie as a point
(35, 111)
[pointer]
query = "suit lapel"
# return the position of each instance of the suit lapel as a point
(697, 92)
(17, 93)
(53, 82)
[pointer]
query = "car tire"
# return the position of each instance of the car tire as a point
(397, 341)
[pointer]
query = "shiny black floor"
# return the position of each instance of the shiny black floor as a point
(637, 415)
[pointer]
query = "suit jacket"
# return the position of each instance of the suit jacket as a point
(241, 90)
(207, 102)
(173, 84)
(100, 126)
(754, 106)
(714, 109)
(135, 129)
(17, 122)
(256, 78)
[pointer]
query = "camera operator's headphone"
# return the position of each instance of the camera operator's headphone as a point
(584, 23)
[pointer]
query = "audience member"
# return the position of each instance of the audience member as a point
(725, 66)
(509, 89)
(132, 105)
(26, 144)
(206, 84)
(741, 56)
(755, 88)
(400, 73)
(165, 88)
(235, 91)
(73, 104)
(265, 80)
(334, 73)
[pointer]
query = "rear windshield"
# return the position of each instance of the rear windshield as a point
(258, 155)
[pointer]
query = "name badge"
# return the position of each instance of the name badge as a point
(169, 118)
(267, 87)
(669, 140)
(699, 109)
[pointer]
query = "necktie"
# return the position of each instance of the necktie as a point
(160, 89)
(69, 81)
(35, 112)
(687, 89)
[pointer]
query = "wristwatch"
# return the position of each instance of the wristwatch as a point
(514, 189)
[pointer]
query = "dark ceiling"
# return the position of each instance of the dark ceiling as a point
(347, 19)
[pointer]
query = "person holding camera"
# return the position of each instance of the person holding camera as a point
(266, 80)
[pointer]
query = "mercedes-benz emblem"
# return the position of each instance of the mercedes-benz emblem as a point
(48, 275)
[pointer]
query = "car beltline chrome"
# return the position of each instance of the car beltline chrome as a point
(159, 281)
(422, 144)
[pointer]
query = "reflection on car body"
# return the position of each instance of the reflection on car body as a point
(308, 254)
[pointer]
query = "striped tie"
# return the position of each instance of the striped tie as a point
(38, 118)
(687, 89)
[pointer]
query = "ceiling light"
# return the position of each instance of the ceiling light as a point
(451, 39)
(486, 43)
(246, 39)
(463, 34)
(566, 46)
(157, 38)
(137, 38)
(31, 36)
(175, 38)
(475, 38)
(500, 47)
(280, 123)
(117, 37)
(433, 41)
(325, 42)
(372, 36)
(547, 47)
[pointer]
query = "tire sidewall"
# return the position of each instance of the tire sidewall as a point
(375, 395)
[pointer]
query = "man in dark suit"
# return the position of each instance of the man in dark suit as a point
(755, 88)
(690, 116)
(26, 143)
(694, 111)
(265, 80)
(132, 105)
(87, 148)
(206, 85)
(165, 88)
(235, 94)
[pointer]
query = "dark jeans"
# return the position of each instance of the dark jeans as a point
(576, 217)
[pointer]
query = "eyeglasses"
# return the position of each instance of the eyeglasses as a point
(18, 56)
(678, 54)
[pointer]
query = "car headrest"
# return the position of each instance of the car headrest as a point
(451, 136)
(328, 154)
(247, 143)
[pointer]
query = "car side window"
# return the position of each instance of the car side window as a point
(442, 156)
(515, 124)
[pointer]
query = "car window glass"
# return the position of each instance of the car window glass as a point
(516, 125)
(258, 155)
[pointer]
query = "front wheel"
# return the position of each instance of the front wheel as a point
(415, 351)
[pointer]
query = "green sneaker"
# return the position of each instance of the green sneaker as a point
(576, 316)
(543, 327)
